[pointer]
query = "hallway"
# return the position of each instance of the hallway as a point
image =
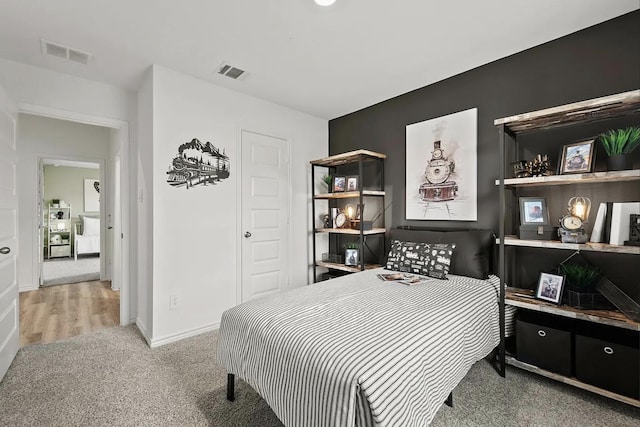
(56, 312)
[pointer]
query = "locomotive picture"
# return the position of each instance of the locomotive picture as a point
(198, 164)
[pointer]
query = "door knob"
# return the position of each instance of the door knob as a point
(247, 234)
(5, 250)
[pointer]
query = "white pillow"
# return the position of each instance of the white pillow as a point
(90, 226)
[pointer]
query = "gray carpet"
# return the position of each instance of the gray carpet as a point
(111, 378)
(58, 271)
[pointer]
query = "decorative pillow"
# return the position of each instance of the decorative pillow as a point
(90, 226)
(420, 258)
(474, 248)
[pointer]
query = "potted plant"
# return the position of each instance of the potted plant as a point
(328, 180)
(619, 144)
(580, 287)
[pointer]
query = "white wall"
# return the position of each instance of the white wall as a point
(47, 138)
(51, 93)
(195, 239)
(144, 202)
(67, 183)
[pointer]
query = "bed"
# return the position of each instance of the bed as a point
(87, 236)
(359, 351)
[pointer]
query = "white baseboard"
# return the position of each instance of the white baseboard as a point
(144, 332)
(157, 342)
(27, 288)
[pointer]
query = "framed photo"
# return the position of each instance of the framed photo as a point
(577, 157)
(533, 211)
(91, 195)
(550, 287)
(352, 183)
(339, 183)
(351, 257)
(359, 210)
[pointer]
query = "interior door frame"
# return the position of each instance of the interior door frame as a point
(239, 230)
(122, 127)
(40, 158)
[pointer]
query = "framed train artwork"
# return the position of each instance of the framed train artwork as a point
(441, 168)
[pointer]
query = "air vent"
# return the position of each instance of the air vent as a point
(64, 52)
(231, 71)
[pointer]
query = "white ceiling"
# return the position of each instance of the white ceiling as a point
(326, 61)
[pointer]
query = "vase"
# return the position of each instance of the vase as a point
(619, 162)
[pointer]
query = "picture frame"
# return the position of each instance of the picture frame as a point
(351, 257)
(550, 287)
(352, 183)
(534, 211)
(359, 211)
(577, 157)
(91, 195)
(339, 184)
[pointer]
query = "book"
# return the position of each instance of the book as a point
(394, 277)
(598, 225)
(606, 233)
(416, 280)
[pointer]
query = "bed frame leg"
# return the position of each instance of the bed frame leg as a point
(449, 400)
(231, 387)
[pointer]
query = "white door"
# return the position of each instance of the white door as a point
(265, 214)
(9, 330)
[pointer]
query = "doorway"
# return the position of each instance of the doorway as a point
(71, 234)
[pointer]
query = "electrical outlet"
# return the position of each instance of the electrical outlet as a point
(173, 302)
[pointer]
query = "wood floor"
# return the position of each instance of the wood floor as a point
(55, 312)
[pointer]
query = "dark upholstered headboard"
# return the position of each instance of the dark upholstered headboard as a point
(474, 253)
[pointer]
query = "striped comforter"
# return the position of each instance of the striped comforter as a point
(357, 351)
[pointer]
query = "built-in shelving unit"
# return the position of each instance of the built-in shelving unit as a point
(509, 129)
(335, 164)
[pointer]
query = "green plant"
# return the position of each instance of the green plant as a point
(580, 278)
(327, 179)
(620, 141)
(351, 245)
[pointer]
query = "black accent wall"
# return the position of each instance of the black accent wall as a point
(597, 61)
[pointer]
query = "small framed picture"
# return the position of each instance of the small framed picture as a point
(359, 210)
(533, 211)
(550, 287)
(338, 183)
(352, 183)
(577, 157)
(351, 257)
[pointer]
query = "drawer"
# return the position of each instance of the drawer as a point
(545, 347)
(58, 251)
(609, 365)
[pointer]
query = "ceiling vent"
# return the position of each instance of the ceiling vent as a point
(231, 71)
(65, 52)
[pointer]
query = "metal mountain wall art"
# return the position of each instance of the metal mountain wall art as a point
(198, 164)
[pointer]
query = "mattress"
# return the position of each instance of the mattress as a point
(360, 351)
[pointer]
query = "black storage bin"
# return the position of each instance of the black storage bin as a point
(539, 344)
(609, 358)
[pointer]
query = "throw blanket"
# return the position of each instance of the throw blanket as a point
(360, 351)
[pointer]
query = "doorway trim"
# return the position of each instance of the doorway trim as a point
(123, 134)
(239, 231)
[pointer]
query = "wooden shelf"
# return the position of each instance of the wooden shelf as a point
(583, 178)
(605, 317)
(342, 267)
(606, 107)
(572, 381)
(348, 194)
(351, 231)
(556, 244)
(349, 157)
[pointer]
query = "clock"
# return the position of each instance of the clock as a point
(571, 230)
(571, 222)
(341, 220)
